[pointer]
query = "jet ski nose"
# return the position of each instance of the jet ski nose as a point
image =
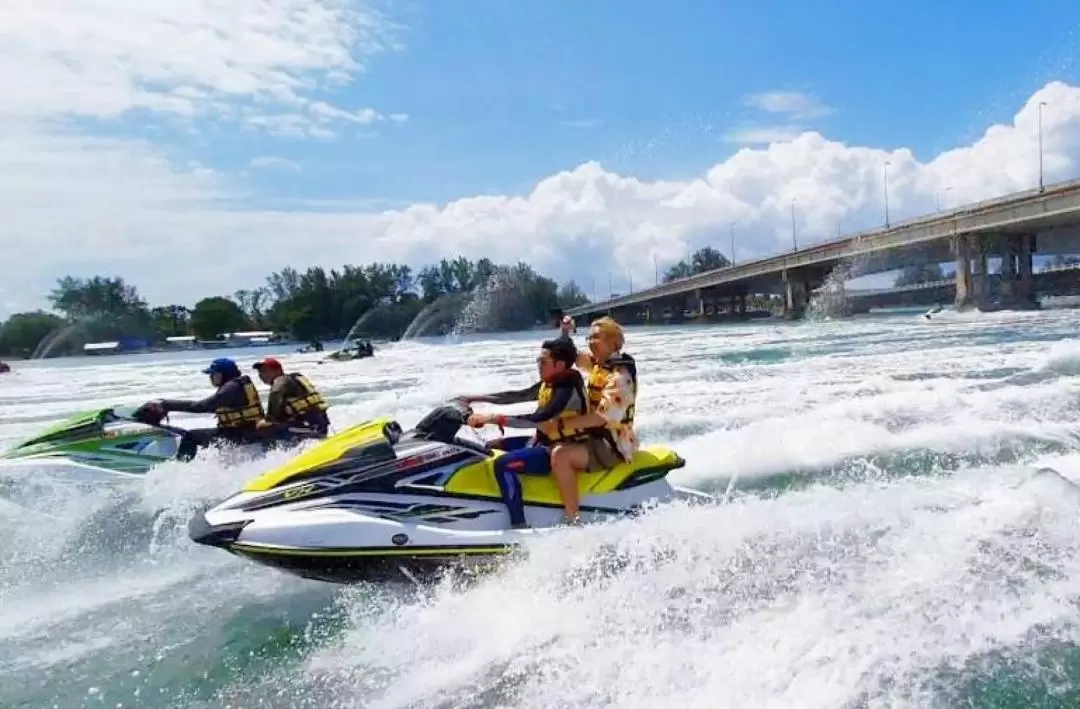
(203, 532)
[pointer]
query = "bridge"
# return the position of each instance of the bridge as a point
(1013, 228)
(1053, 280)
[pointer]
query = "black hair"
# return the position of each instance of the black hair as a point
(562, 349)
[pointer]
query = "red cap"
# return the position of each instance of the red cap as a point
(270, 362)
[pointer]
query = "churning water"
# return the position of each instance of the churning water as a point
(889, 542)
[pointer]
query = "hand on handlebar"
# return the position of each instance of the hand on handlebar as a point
(481, 420)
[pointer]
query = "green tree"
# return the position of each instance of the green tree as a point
(919, 273)
(22, 332)
(702, 260)
(708, 259)
(216, 316)
(170, 321)
(571, 295)
(97, 297)
(374, 300)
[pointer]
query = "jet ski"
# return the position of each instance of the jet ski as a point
(376, 503)
(102, 445)
(359, 350)
(106, 446)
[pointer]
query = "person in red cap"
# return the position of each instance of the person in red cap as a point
(294, 406)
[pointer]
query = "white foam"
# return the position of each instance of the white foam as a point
(813, 598)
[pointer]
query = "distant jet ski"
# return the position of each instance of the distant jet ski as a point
(933, 311)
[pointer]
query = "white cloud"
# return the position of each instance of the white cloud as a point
(272, 162)
(173, 233)
(583, 123)
(793, 103)
(761, 135)
(80, 204)
(248, 60)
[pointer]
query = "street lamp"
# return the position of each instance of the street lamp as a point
(794, 243)
(937, 197)
(885, 171)
(1042, 187)
(731, 229)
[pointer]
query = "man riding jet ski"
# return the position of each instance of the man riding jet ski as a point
(236, 404)
(294, 404)
(376, 503)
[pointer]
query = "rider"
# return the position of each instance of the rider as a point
(567, 327)
(560, 394)
(609, 423)
(235, 403)
(293, 403)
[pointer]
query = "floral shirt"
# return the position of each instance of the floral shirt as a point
(618, 396)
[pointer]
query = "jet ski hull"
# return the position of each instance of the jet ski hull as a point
(385, 538)
(374, 502)
(116, 457)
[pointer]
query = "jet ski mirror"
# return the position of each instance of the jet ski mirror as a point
(443, 423)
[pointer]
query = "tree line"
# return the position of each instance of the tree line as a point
(379, 300)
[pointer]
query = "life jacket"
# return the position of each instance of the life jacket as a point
(297, 407)
(598, 380)
(561, 434)
(248, 415)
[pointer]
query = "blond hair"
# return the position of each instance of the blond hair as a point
(611, 330)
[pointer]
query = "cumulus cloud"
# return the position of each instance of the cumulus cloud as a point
(761, 136)
(273, 162)
(793, 103)
(83, 204)
(584, 123)
(249, 61)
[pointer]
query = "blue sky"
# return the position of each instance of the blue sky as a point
(501, 94)
(152, 138)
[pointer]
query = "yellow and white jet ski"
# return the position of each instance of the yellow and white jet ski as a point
(376, 503)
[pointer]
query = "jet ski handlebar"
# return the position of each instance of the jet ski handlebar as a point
(444, 421)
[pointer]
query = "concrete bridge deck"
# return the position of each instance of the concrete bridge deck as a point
(1009, 226)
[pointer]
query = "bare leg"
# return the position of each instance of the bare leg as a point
(567, 461)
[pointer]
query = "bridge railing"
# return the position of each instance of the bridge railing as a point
(821, 251)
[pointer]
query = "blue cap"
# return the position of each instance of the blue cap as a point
(222, 365)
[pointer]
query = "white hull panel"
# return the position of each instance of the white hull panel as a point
(370, 536)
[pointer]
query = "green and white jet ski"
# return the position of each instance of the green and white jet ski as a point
(113, 445)
(96, 446)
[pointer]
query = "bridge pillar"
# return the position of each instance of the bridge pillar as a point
(699, 295)
(1023, 290)
(1017, 282)
(971, 280)
(797, 295)
(1007, 287)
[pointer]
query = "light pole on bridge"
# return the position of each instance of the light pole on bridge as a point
(937, 197)
(885, 172)
(1042, 186)
(794, 242)
(731, 230)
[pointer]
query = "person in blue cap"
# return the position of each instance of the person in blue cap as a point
(236, 404)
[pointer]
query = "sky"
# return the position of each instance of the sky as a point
(194, 146)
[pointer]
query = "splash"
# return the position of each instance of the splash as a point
(496, 305)
(438, 316)
(887, 543)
